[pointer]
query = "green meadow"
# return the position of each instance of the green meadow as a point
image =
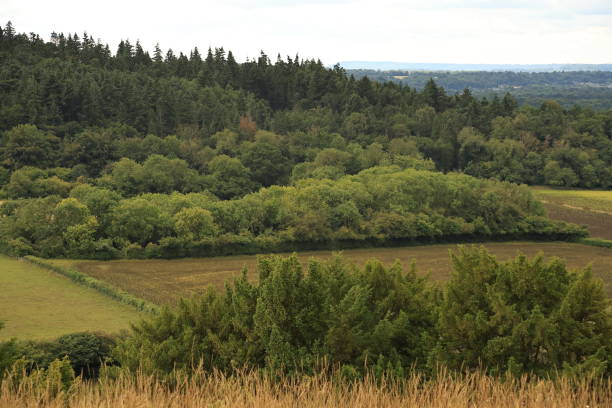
(38, 304)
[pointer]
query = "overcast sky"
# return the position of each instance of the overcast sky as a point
(453, 31)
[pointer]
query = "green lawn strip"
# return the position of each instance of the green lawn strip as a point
(102, 287)
(39, 304)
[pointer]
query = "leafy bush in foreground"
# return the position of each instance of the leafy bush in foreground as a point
(512, 317)
(85, 353)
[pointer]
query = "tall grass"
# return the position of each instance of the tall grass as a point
(252, 390)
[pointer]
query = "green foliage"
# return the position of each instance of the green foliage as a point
(376, 206)
(194, 223)
(229, 178)
(80, 238)
(26, 145)
(71, 102)
(133, 139)
(138, 220)
(292, 320)
(604, 243)
(58, 377)
(9, 353)
(85, 352)
(570, 86)
(523, 316)
(520, 316)
(30, 182)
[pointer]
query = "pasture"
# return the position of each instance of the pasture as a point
(585, 207)
(38, 304)
(165, 281)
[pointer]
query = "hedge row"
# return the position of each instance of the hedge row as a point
(230, 244)
(598, 242)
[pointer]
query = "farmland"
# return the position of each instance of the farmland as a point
(165, 281)
(38, 304)
(585, 207)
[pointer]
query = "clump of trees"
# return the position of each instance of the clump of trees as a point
(376, 206)
(514, 317)
(72, 354)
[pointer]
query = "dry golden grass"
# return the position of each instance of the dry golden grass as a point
(165, 281)
(250, 390)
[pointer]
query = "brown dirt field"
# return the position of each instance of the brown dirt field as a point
(591, 208)
(599, 224)
(165, 281)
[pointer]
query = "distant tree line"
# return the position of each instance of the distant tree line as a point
(459, 80)
(72, 103)
(592, 89)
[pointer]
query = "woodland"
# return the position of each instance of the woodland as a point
(130, 154)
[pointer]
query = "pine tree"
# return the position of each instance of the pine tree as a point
(157, 54)
(9, 31)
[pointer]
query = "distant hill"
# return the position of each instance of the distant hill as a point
(412, 66)
(586, 88)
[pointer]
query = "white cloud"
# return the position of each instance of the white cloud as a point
(476, 31)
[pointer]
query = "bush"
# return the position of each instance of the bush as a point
(520, 316)
(292, 320)
(86, 351)
(9, 353)
(523, 316)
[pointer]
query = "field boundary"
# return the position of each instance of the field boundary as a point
(98, 285)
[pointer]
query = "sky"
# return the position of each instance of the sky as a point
(444, 31)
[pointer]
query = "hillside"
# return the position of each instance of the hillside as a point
(73, 103)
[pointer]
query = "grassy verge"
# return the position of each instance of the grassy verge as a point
(100, 286)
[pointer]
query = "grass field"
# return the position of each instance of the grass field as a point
(165, 281)
(584, 207)
(38, 304)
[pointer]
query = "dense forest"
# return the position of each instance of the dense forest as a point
(569, 88)
(259, 155)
